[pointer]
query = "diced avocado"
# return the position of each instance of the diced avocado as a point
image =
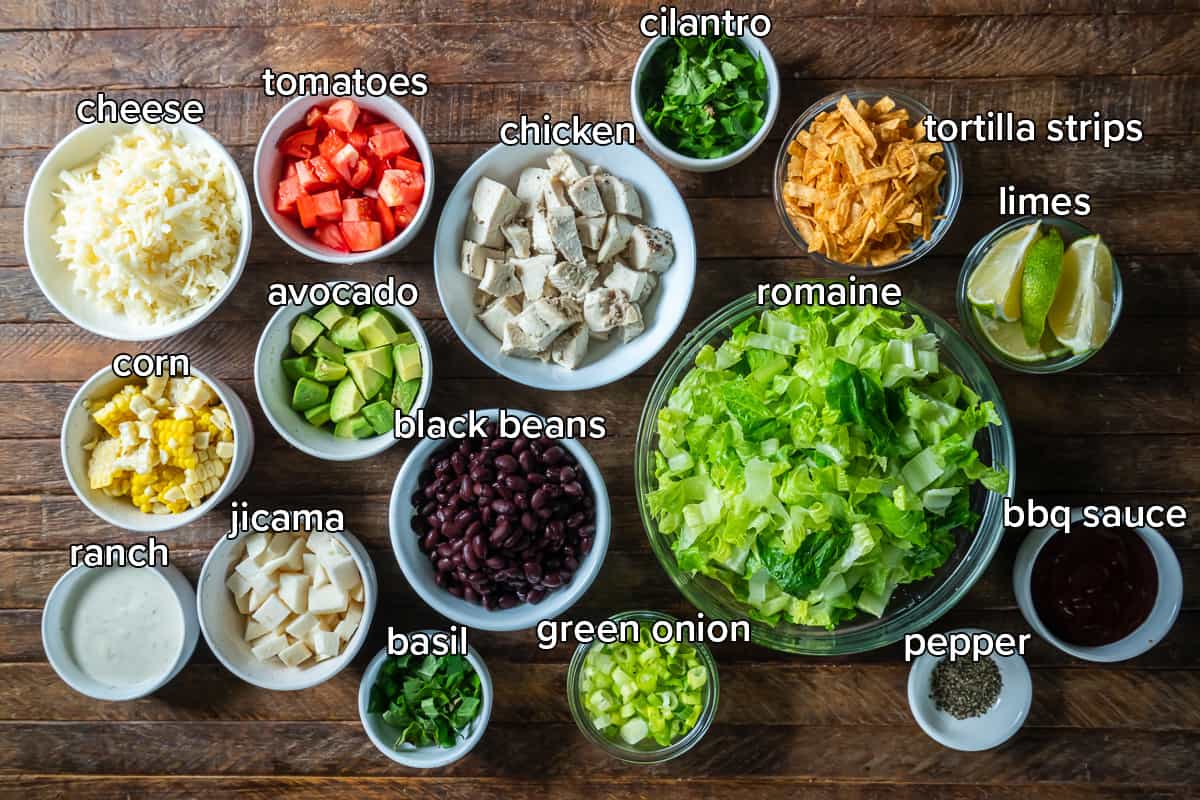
(298, 367)
(381, 415)
(345, 334)
(364, 366)
(346, 400)
(405, 337)
(327, 371)
(380, 360)
(318, 415)
(385, 391)
(327, 349)
(355, 427)
(405, 394)
(330, 314)
(408, 361)
(309, 394)
(305, 331)
(375, 328)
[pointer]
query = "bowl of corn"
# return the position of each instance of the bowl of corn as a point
(154, 454)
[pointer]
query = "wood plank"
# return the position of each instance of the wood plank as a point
(951, 47)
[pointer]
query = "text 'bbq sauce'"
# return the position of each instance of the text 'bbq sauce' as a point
(1094, 587)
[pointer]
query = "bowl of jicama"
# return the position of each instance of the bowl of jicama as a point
(839, 494)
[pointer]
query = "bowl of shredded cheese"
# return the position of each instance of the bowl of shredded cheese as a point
(154, 454)
(137, 232)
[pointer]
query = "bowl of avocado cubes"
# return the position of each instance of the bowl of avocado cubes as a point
(331, 379)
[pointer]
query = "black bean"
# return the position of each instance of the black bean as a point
(445, 565)
(553, 454)
(506, 463)
(470, 595)
(536, 596)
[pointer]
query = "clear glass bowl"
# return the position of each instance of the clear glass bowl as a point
(951, 184)
(1070, 231)
(913, 606)
(653, 753)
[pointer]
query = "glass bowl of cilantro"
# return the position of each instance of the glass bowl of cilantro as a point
(425, 711)
(835, 475)
(704, 103)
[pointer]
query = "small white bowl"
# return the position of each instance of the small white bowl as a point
(984, 732)
(420, 573)
(1156, 626)
(383, 735)
(757, 47)
(77, 148)
(54, 635)
(79, 428)
(275, 391)
(268, 169)
(605, 362)
(224, 626)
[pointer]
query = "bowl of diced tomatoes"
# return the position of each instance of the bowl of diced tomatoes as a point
(344, 180)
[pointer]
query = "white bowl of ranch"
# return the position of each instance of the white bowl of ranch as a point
(119, 633)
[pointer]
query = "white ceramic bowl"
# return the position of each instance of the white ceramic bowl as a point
(224, 626)
(268, 169)
(605, 361)
(79, 147)
(757, 47)
(420, 573)
(1162, 616)
(55, 618)
(79, 428)
(986, 731)
(383, 735)
(275, 391)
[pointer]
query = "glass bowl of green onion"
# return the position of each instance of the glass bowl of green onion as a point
(645, 701)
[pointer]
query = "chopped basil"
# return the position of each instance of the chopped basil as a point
(429, 700)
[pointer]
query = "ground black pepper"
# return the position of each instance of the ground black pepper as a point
(965, 688)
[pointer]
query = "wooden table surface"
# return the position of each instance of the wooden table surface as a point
(1122, 428)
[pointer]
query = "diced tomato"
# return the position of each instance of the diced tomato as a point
(362, 235)
(323, 170)
(300, 145)
(309, 181)
(369, 117)
(404, 215)
(290, 172)
(389, 143)
(401, 186)
(362, 174)
(400, 162)
(315, 118)
(286, 194)
(328, 205)
(357, 208)
(382, 127)
(330, 235)
(307, 208)
(358, 137)
(386, 220)
(344, 161)
(342, 115)
(332, 142)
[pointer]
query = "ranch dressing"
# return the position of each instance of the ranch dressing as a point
(125, 626)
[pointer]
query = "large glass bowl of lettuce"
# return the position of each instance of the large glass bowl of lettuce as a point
(834, 475)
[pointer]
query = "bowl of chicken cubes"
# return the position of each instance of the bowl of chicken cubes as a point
(565, 269)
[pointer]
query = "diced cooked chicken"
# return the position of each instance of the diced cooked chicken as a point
(650, 249)
(566, 237)
(619, 196)
(555, 194)
(634, 326)
(637, 285)
(492, 206)
(570, 348)
(573, 279)
(586, 197)
(605, 309)
(518, 236)
(496, 315)
(565, 166)
(531, 187)
(542, 321)
(539, 226)
(617, 231)
(500, 279)
(475, 256)
(515, 342)
(591, 231)
(533, 272)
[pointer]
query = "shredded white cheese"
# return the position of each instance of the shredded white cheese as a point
(150, 231)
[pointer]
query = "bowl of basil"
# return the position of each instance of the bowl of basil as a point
(704, 103)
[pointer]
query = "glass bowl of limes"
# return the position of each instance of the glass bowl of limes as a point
(1040, 294)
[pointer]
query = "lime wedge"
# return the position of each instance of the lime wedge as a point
(1039, 282)
(1009, 340)
(995, 285)
(1082, 309)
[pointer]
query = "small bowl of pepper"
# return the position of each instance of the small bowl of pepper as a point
(1098, 593)
(970, 704)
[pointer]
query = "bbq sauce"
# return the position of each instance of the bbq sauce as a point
(1094, 587)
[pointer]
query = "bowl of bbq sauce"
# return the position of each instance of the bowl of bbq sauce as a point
(1100, 594)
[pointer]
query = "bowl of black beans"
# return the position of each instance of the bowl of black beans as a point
(500, 533)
